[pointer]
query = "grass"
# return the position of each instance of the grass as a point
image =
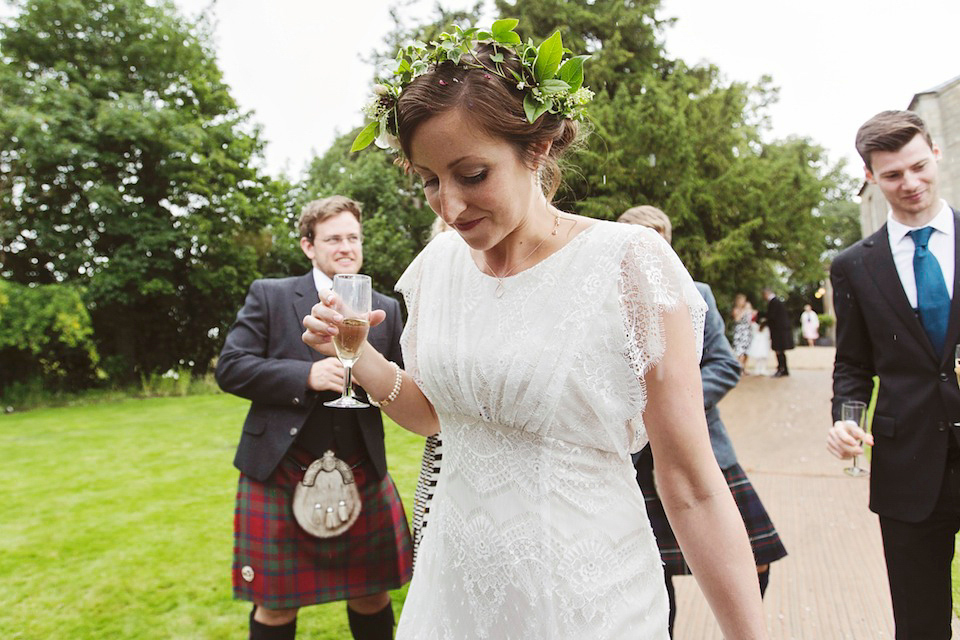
(118, 521)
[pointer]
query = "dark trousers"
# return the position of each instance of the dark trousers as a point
(918, 556)
(782, 362)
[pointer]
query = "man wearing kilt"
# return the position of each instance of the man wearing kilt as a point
(719, 372)
(277, 565)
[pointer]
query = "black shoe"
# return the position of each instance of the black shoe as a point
(780, 374)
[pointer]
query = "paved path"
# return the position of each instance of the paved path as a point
(833, 585)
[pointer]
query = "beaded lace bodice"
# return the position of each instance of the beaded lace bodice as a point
(538, 528)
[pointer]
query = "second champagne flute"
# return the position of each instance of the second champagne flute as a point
(856, 412)
(956, 362)
(353, 293)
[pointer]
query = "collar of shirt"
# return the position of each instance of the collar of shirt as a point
(321, 280)
(942, 222)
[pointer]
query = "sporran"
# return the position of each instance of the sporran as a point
(326, 501)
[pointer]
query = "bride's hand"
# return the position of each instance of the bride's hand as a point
(323, 322)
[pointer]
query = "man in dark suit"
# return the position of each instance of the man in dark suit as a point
(896, 321)
(277, 565)
(781, 333)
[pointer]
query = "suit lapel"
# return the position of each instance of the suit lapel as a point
(953, 326)
(878, 260)
(304, 297)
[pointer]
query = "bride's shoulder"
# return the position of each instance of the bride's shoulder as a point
(632, 237)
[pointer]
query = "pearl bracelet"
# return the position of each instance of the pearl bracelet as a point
(397, 382)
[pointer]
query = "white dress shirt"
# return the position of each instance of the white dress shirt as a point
(941, 245)
(323, 281)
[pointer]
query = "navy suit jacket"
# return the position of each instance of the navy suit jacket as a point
(918, 403)
(265, 361)
(719, 372)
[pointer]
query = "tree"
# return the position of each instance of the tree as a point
(745, 210)
(126, 166)
(45, 336)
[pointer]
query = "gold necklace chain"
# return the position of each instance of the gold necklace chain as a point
(500, 288)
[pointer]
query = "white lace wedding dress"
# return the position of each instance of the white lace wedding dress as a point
(538, 528)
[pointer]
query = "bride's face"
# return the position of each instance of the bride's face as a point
(476, 183)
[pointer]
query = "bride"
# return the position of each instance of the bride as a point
(547, 347)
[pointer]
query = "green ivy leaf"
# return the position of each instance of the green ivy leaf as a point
(571, 72)
(509, 37)
(365, 137)
(548, 57)
(553, 86)
(502, 27)
(497, 57)
(534, 109)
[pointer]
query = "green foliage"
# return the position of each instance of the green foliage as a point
(826, 320)
(46, 339)
(139, 542)
(841, 219)
(622, 38)
(175, 382)
(125, 165)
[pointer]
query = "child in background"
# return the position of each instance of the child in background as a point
(759, 352)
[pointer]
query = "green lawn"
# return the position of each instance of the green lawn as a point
(118, 521)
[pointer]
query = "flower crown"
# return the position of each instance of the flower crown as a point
(551, 84)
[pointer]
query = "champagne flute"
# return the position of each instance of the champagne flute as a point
(956, 362)
(353, 303)
(856, 412)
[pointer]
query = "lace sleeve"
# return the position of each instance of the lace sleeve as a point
(653, 281)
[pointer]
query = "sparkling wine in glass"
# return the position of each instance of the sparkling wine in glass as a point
(353, 303)
(956, 362)
(856, 412)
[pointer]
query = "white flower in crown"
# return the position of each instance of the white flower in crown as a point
(387, 140)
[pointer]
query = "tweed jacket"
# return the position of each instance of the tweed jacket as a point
(264, 360)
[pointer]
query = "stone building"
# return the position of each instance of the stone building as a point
(940, 109)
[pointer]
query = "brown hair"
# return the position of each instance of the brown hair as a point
(889, 131)
(494, 104)
(649, 216)
(320, 210)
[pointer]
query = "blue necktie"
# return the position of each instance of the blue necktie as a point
(933, 301)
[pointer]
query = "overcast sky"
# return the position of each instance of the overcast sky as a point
(837, 62)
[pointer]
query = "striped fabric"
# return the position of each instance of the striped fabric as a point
(279, 566)
(764, 539)
(426, 485)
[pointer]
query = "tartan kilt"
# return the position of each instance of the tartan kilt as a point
(764, 539)
(279, 566)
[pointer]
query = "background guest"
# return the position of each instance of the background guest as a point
(809, 325)
(781, 333)
(742, 315)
